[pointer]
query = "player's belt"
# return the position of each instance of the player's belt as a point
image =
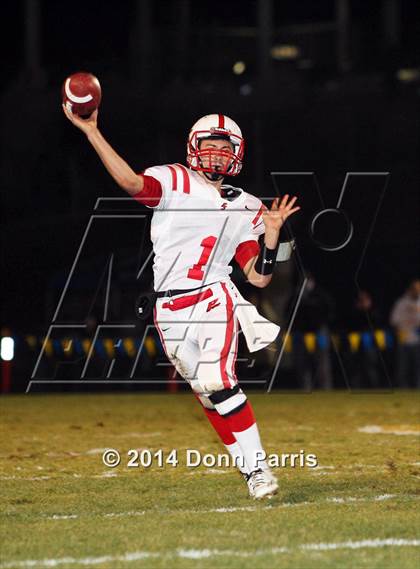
(187, 300)
(175, 291)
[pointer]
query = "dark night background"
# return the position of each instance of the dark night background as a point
(346, 101)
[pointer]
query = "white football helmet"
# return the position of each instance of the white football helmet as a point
(215, 126)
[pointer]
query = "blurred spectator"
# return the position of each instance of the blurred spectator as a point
(315, 314)
(405, 317)
(364, 362)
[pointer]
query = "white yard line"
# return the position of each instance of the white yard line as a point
(138, 435)
(209, 471)
(30, 478)
(207, 553)
(376, 429)
(106, 474)
(351, 499)
(94, 451)
(373, 543)
(320, 470)
(233, 509)
(122, 514)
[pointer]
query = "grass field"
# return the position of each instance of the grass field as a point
(63, 508)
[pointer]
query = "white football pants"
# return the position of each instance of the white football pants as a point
(199, 332)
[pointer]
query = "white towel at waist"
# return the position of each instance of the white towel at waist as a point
(258, 331)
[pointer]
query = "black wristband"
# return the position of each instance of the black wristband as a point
(264, 265)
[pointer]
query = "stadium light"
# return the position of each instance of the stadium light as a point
(285, 52)
(7, 348)
(408, 75)
(239, 67)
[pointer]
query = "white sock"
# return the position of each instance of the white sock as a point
(238, 457)
(250, 443)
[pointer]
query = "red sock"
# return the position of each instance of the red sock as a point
(220, 424)
(241, 420)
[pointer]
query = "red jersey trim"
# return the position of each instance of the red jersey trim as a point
(151, 193)
(185, 179)
(174, 178)
(256, 218)
(245, 251)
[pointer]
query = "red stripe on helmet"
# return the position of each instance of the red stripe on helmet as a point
(221, 121)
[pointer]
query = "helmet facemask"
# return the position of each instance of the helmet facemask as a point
(215, 163)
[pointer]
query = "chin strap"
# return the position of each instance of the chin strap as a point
(213, 176)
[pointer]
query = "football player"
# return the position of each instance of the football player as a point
(199, 225)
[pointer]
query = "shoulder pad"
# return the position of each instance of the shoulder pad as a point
(252, 202)
(230, 192)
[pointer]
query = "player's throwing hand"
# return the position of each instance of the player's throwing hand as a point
(86, 125)
(280, 210)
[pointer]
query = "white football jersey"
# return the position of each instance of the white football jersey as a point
(195, 231)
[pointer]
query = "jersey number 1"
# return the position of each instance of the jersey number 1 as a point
(196, 272)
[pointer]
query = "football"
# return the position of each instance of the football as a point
(81, 93)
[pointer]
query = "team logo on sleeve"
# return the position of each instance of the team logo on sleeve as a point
(212, 304)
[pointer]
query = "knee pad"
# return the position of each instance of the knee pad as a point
(205, 401)
(228, 401)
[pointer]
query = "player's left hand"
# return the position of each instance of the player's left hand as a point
(280, 210)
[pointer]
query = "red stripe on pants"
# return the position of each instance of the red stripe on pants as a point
(228, 338)
(159, 331)
(172, 383)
